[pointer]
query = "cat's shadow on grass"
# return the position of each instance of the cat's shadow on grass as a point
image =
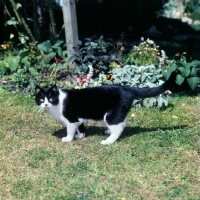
(128, 131)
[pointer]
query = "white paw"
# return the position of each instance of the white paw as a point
(65, 139)
(80, 135)
(106, 142)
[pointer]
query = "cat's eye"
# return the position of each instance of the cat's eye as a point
(50, 99)
(42, 100)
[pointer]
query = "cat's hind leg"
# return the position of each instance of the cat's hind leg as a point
(80, 132)
(116, 131)
(116, 124)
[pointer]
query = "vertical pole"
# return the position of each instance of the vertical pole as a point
(71, 28)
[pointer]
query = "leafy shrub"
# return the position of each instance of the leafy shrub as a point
(143, 76)
(186, 72)
(146, 53)
(99, 53)
(30, 63)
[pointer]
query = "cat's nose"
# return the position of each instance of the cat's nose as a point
(46, 105)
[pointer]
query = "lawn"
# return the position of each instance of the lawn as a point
(157, 156)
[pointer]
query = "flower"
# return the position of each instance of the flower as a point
(57, 60)
(133, 115)
(83, 79)
(150, 41)
(109, 77)
(177, 54)
(142, 39)
(12, 36)
(5, 46)
(134, 47)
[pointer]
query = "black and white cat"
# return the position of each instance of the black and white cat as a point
(108, 103)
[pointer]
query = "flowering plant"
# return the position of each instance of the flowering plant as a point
(146, 53)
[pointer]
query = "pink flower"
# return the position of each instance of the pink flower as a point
(84, 79)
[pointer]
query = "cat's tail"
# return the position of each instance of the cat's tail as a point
(150, 92)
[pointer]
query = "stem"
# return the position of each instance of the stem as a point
(35, 22)
(10, 17)
(52, 17)
(22, 20)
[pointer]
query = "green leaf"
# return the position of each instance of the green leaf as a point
(143, 77)
(12, 21)
(45, 46)
(33, 71)
(195, 63)
(60, 52)
(49, 57)
(13, 62)
(186, 65)
(193, 82)
(161, 101)
(185, 72)
(2, 68)
(135, 101)
(26, 62)
(179, 79)
(193, 72)
(149, 102)
(167, 73)
(24, 53)
(17, 6)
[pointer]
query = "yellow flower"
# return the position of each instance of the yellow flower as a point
(11, 36)
(150, 41)
(133, 115)
(7, 65)
(174, 117)
(4, 46)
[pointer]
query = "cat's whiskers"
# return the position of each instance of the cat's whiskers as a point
(40, 110)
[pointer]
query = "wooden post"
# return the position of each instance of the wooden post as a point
(71, 28)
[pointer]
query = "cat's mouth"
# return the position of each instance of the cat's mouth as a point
(43, 108)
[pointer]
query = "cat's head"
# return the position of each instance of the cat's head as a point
(46, 97)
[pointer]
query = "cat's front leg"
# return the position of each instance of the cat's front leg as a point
(71, 130)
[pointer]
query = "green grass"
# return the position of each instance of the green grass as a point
(157, 156)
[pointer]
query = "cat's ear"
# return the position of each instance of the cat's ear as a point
(54, 88)
(37, 89)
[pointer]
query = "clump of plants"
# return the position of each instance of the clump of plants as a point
(26, 64)
(146, 53)
(139, 76)
(187, 73)
(98, 63)
(99, 54)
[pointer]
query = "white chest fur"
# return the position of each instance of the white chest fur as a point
(56, 111)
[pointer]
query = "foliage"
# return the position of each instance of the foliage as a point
(143, 76)
(99, 53)
(98, 63)
(171, 7)
(31, 63)
(146, 53)
(186, 72)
